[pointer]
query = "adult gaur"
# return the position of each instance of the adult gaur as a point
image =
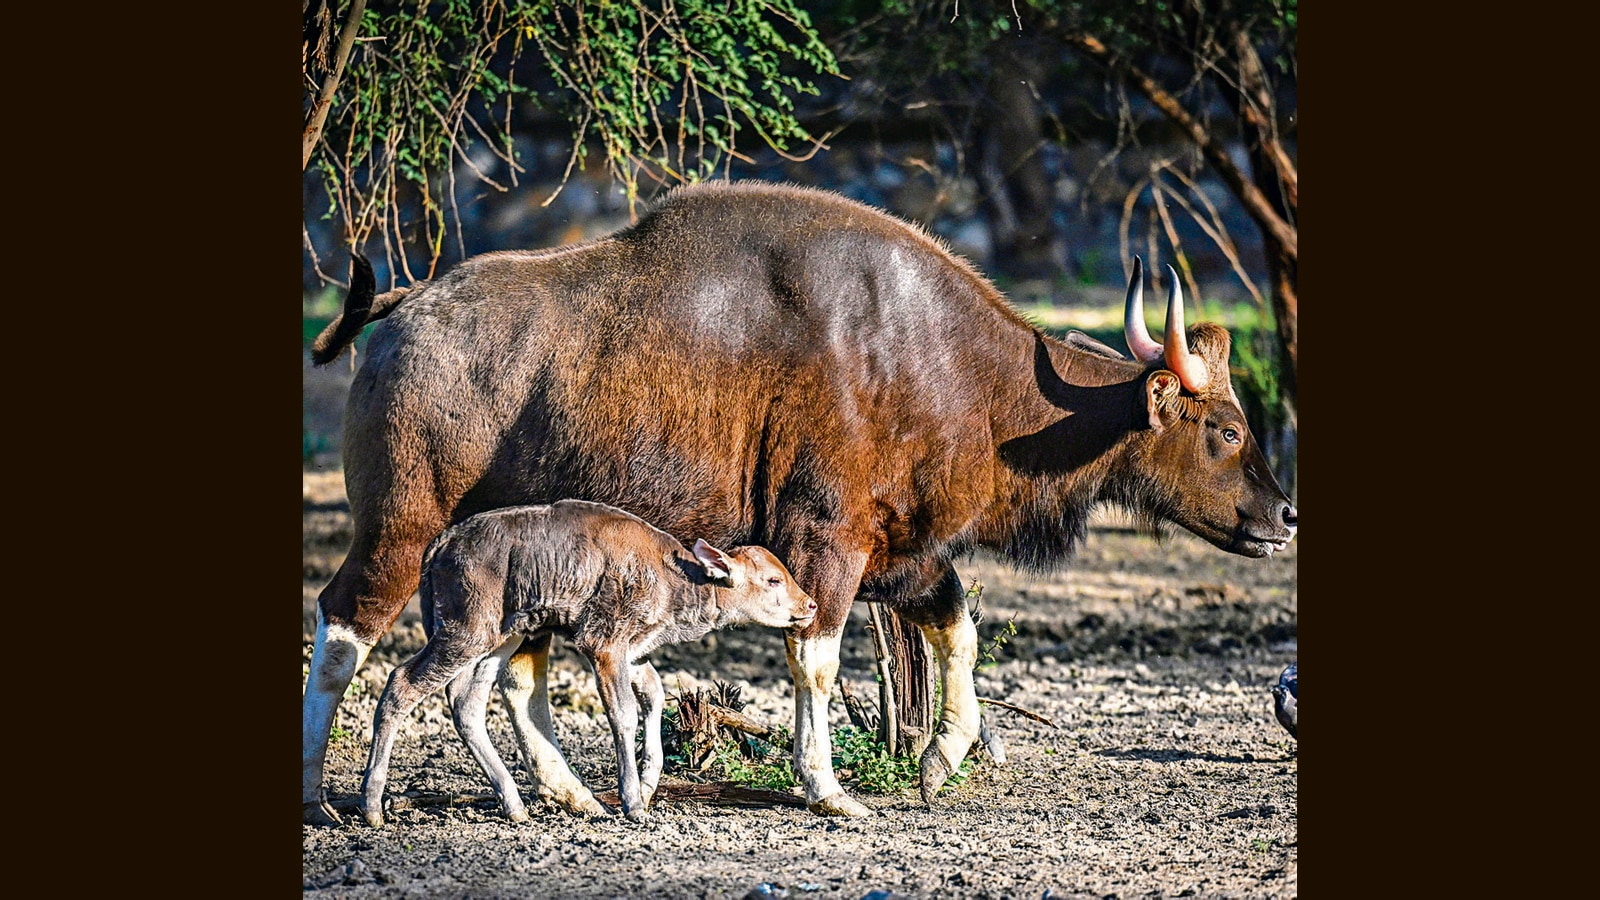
(762, 364)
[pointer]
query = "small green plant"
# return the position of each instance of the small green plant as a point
(859, 758)
(337, 734)
(698, 748)
(776, 775)
(986, 658)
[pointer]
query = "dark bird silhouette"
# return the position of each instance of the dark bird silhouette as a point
(1286, 696)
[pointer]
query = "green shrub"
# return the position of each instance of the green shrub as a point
(859, 759)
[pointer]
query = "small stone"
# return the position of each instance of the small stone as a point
(356, 872)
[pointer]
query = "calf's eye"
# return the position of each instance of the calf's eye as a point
(1231, 435)
(774, 582)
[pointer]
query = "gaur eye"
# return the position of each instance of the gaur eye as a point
(1230, 434)
(774, 581)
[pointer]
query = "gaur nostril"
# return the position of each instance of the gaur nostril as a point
(1289, 517)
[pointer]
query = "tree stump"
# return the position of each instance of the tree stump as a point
(906, 718)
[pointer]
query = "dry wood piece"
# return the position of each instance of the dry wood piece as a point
(716, 793)
(860, 716)
(705, 718)
(1019, 710)
(418, 800)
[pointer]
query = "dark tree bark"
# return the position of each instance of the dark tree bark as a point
(906, 683)
(1018, 198)
(1275, 175)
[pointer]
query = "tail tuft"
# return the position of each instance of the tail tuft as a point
(342, 331)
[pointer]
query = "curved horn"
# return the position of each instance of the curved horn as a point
(1133, 330)
(1191, 369)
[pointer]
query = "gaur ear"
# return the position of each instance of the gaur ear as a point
(718, 565)
(1160, 389)
(1081, 341)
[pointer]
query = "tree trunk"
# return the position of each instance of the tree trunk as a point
(905, 691)
(1018, 198)
(1275, 175)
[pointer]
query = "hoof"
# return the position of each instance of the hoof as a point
(582, 804)
(638, 815)
(318, 812)
(374, 817)
(935, 772)
(995, 746)
(587, 806)
(511, 804)
(840, 804)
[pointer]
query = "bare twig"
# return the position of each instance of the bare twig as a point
(1158, 200)
(740, 722)
(1213, 226)
(1128, 204)
(859, 715)
(1018, 710)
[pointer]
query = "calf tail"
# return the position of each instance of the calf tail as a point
(361, 308)
(425, 587)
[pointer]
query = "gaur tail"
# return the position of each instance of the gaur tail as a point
(361, 308)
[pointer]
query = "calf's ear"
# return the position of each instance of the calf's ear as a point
(1160, 392)
(717, 563)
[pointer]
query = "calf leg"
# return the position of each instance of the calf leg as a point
(611, 675)
(411, 681)
(524, 682)
(469, 705)
(647, 688)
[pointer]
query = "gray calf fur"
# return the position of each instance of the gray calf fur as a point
(612, 584)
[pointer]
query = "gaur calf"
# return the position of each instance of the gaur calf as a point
(612, 584)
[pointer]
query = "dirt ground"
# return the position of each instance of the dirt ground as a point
(1165, 773)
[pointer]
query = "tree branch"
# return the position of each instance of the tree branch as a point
(318, 114)
(1256, 106)
(1255, 202)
